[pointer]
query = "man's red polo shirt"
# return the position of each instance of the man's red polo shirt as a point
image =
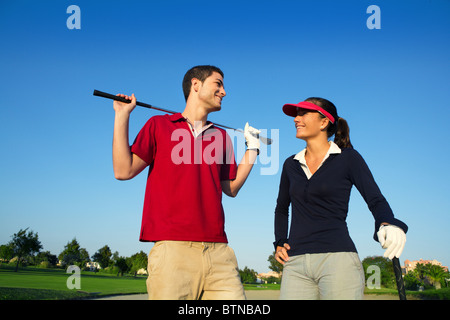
(183, 196)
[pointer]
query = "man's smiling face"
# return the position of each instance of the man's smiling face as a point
(212, 91)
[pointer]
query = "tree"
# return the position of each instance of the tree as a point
(122, 265)
(424, 275)
(412, 281)
(73, 254)
(248, 275)
(419, 272)
(138, 261)
(387, 276)
(435, 274)
(274, 264)
(103, 256)
(25, 244)
(45, 257)
(115, 256)
(6, 252)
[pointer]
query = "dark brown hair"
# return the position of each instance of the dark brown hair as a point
(200, 73)
(340, 128)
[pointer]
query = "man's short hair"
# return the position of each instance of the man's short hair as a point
(200, 73)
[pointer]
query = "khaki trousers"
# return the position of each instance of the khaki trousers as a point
(186, 270)
(324, 276)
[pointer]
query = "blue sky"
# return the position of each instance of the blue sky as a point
(391, 85)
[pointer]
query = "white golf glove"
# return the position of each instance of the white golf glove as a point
(251, 137)
(392, 239)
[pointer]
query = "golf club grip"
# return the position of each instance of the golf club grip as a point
(110, 96)
(121, 99)
(399, 278)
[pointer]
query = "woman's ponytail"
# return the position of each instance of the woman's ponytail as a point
(342, 135)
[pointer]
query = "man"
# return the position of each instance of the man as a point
(191, 162)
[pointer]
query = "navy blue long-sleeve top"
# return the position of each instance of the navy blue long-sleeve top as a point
(320, 204)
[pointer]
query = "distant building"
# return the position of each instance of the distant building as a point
(411, 265)
(142, 271)
(93, 266)
(262, 277)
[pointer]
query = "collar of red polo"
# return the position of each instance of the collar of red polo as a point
(178, 116)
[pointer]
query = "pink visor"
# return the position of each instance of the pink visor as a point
(291, 109)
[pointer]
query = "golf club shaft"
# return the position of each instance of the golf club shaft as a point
(149, 106)
(399, 278)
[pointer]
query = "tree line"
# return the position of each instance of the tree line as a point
(25, 249)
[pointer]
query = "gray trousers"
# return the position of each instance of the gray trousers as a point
(323, 276)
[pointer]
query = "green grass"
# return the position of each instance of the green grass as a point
(381, 291)
(269, 286)
(441, 294)
(35, 283)
(429, 294)
(40, 294)
(51, 284)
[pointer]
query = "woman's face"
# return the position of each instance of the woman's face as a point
(309, 124)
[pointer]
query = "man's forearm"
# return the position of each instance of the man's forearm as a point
(122, 157)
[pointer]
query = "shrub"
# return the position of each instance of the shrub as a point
(412, 282)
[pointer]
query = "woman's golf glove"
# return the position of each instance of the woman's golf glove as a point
(392, 239)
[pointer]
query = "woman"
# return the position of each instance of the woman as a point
(320, 260)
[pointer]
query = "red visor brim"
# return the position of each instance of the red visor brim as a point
(291, 109)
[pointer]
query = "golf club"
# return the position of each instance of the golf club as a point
(399, 278)
(98, 93)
